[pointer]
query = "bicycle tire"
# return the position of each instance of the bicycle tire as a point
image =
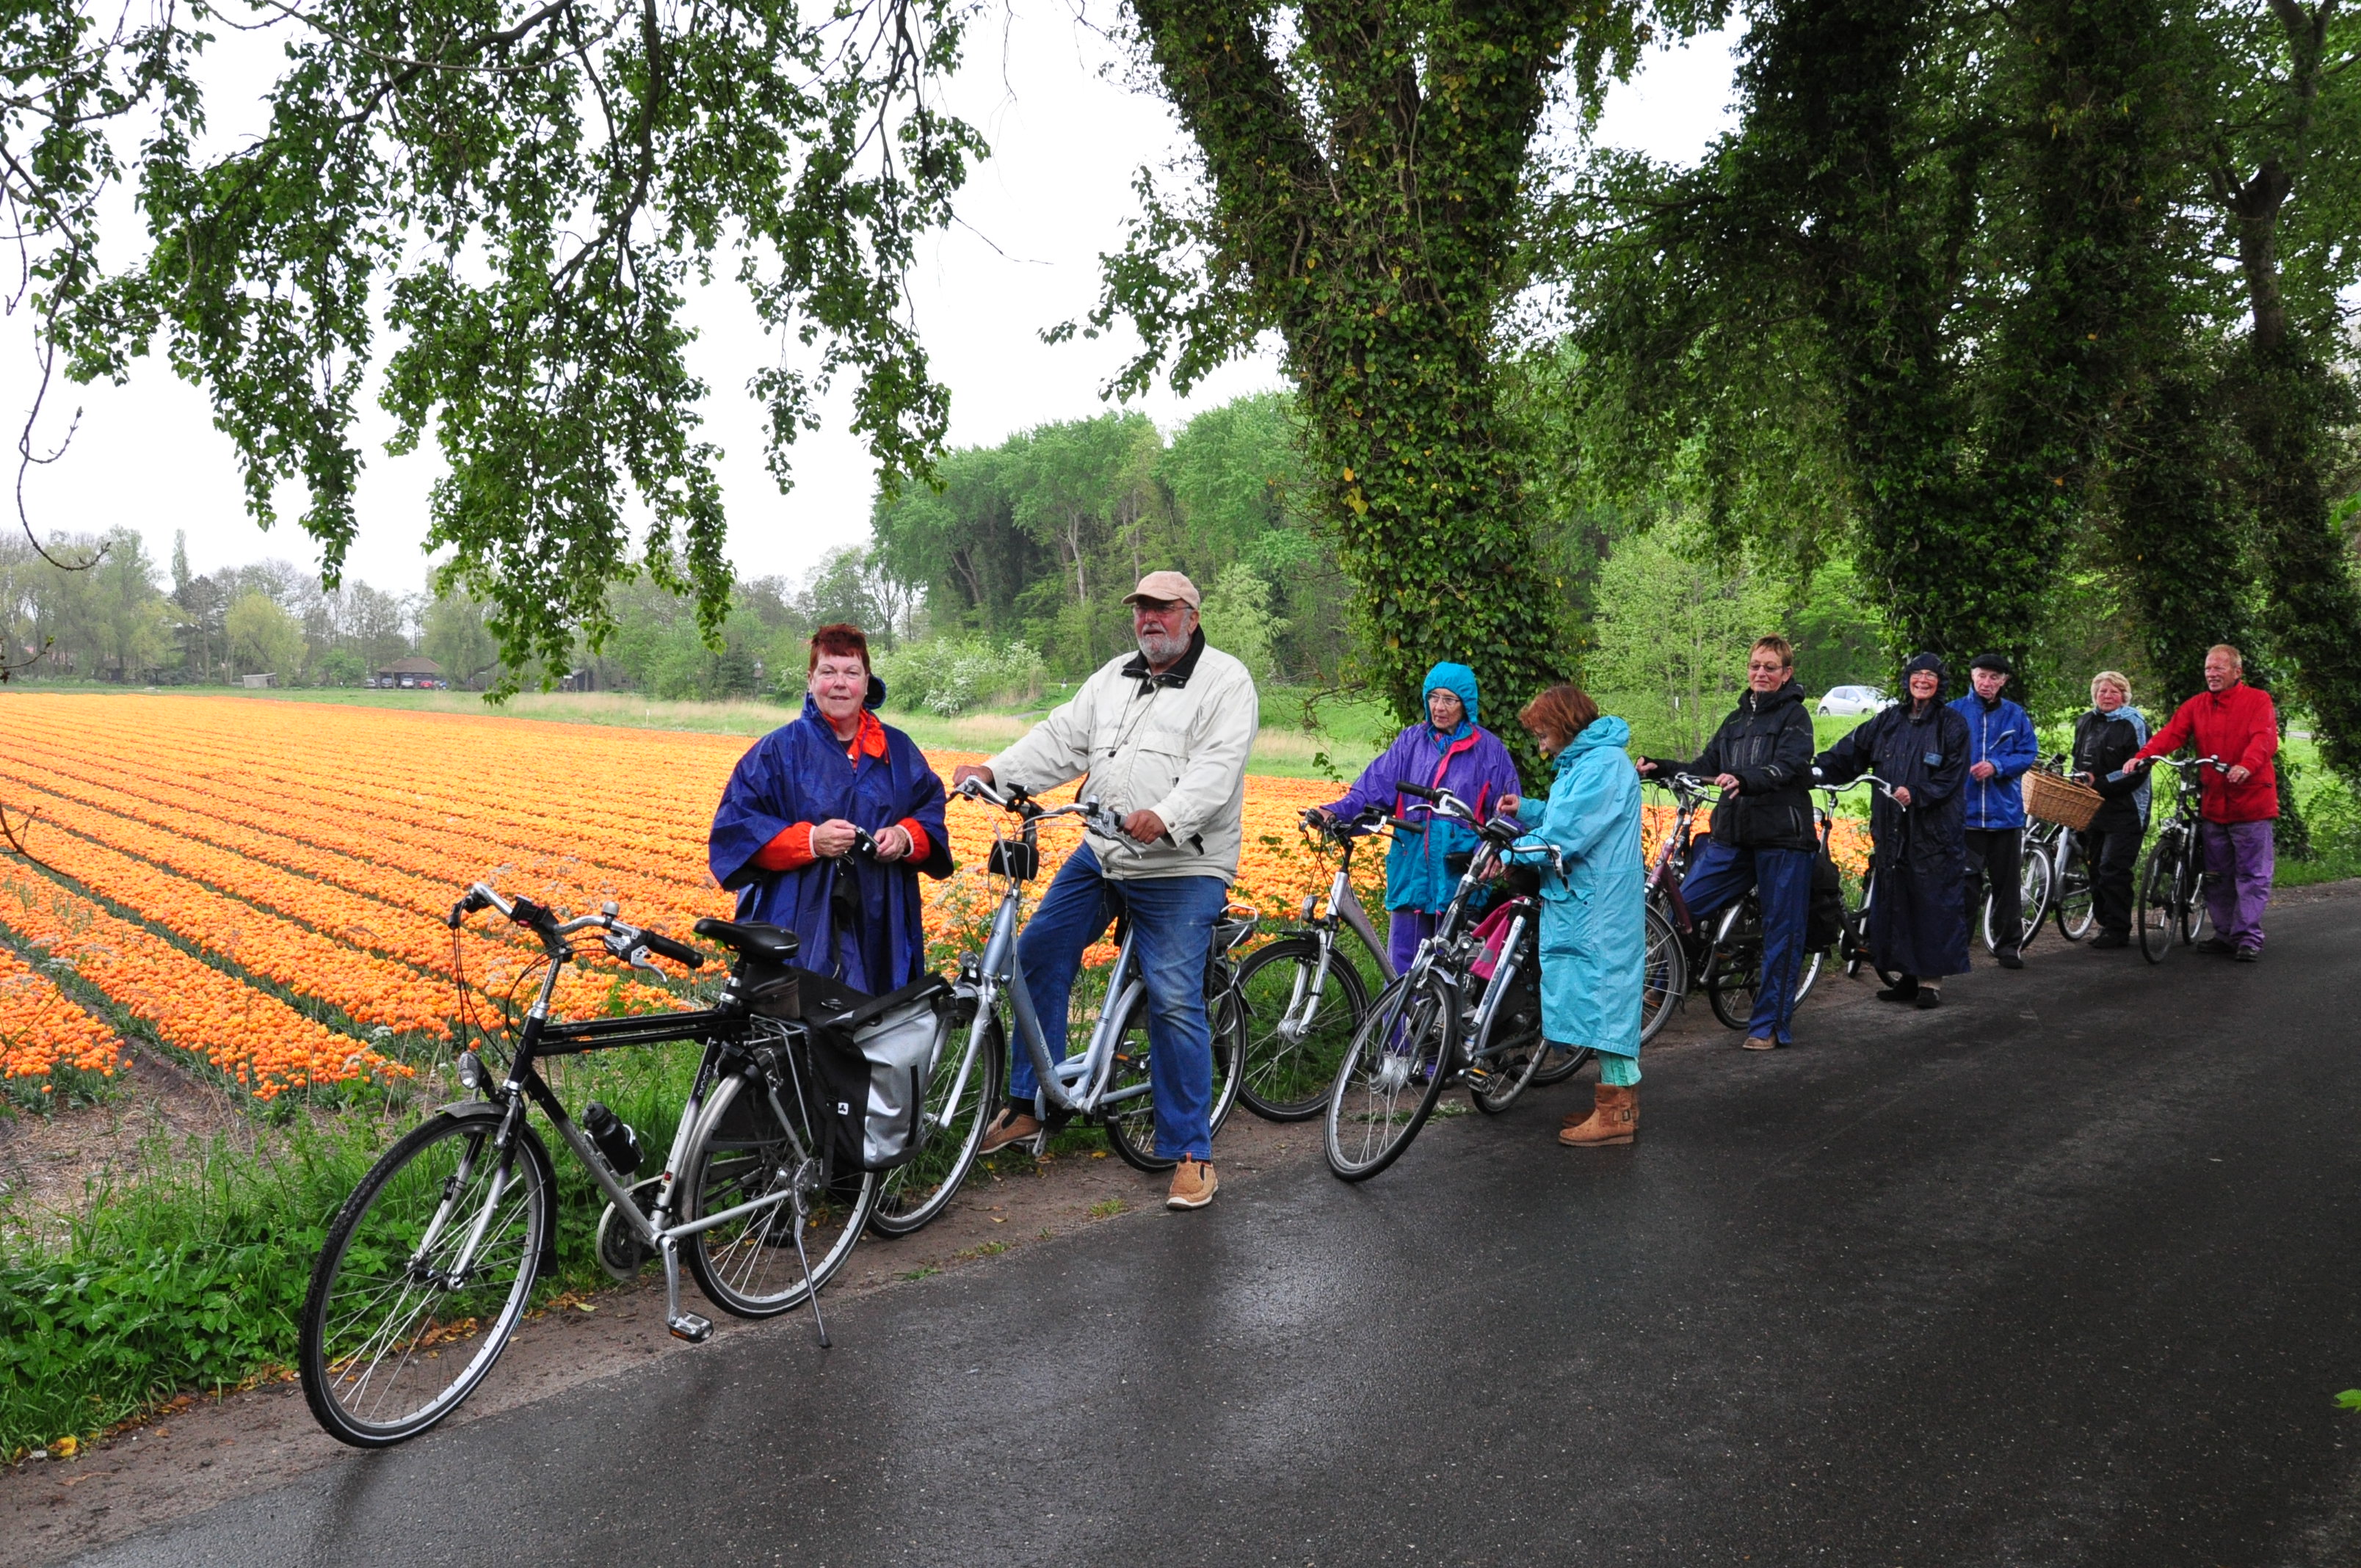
(1385, 1091)
(1494, 1083)
(2157, 917)
(2033, 883)
(2075, 901)
(1663, 986)
(1809, 975)
(910, 1196)
(1131, 1125)
(1289, 1080)
(429, 1324)
(1560, 1063)
(1735, 975)
(2193, 910)
(753, 1267)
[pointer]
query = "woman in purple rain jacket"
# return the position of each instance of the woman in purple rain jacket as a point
(1448, 751)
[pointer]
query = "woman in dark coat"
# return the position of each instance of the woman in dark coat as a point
(785, 835)
(1919, 916)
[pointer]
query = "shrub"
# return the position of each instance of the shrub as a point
(948, 678)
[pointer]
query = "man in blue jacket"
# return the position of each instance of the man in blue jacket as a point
(2001, 746)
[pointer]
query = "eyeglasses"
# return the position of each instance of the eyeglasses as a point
(1765, 669)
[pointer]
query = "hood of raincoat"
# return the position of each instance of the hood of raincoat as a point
(1460, 682)
(1604, 731)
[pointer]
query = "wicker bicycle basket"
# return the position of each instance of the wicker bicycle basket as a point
(2054, 798)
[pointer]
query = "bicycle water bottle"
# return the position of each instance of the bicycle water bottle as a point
(614, 1137)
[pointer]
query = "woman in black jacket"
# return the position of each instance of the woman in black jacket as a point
(2104, 739)
(1762, 832)
(1918, 914)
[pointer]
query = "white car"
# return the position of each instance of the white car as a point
(1853, 699)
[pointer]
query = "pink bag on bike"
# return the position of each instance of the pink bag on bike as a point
(1493, 932)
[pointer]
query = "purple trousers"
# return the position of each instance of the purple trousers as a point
(1411, 926)
(2238, 863)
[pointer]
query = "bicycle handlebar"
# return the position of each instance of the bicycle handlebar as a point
(1833, 790)
(2216, 764)
(626, 941)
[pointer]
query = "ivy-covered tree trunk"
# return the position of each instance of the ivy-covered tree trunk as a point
(1363, 197)
(2179, 542)
(1903, 170)
(2289, 402)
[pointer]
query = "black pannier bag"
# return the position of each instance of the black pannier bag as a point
(1825, 922)
(872, 1060)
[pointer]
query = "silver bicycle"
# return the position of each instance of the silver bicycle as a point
(1305, 994)
(1107, 1083)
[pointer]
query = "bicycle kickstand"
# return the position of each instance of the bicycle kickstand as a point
(810, 1290)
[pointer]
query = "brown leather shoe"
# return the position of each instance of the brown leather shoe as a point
(1194, 1185)
(1012, 1127)
(1614, 1119)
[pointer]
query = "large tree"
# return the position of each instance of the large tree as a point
(1362, 188)
(521, 192)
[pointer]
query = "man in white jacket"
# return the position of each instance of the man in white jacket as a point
(1162, 736)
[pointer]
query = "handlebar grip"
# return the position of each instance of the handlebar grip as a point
(678, 952)
(1419, 791)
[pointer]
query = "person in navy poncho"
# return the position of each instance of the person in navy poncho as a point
(784, 836)
(1919, 914)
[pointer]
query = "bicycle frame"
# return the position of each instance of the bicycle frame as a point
(724, 1032)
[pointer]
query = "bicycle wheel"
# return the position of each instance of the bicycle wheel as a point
(911, 1195)
(2075, 905)
(750, 1264)
(1130, 1109)
(1294, 1041)
(2035, 880)
(2160, 878)
(408, 1307)
(1737, 971)
(1662, 984)
(1808, 976)
(2191, 900)
(1501, 1062)
(1560, 1063)
(1392, 1075)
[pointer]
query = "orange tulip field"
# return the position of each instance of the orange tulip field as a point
(262, 885)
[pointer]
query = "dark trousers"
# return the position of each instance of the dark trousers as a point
(1718, 877)
(2111, 851)
(1998, 853)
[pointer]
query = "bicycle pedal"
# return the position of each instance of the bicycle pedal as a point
(691, 1327)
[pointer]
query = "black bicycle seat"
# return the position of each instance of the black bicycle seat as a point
(772, 944)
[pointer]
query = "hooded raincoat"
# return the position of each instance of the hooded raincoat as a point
(1594, 940)
(1423, 867)
(1919, 914)
(858, 921)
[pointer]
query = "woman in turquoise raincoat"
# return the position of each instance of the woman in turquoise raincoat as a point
(1594, 908)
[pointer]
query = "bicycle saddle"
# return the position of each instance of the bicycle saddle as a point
(772, 944)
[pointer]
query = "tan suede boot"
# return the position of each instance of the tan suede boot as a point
(1614, 1119)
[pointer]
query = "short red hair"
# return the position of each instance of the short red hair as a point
(1558, 714)
(843, 638)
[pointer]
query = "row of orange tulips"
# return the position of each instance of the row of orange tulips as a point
(256, 1038)
(41, 1028)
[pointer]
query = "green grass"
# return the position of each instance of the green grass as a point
(188, 1270)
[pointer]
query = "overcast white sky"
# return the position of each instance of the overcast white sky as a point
(1067, 138)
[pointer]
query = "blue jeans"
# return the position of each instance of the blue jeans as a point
(1718, 877)
(1173, 920)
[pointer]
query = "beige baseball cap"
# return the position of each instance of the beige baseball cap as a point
(1167, 587)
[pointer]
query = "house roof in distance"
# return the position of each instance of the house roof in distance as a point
(411, 666)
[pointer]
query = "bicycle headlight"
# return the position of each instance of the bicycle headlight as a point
(471, 1072)
(1310, 900)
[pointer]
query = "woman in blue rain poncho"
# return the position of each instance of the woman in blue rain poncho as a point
(1594, 941)
(786, 836)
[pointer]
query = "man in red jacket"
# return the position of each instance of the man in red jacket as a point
(2232, 720)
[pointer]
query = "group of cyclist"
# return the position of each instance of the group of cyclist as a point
(829, 822)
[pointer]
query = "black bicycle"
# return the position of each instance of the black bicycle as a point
(2172, 879)
(430, 1263)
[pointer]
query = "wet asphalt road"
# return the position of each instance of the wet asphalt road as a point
(1965, 1287)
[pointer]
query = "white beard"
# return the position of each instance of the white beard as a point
(1164, 649)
